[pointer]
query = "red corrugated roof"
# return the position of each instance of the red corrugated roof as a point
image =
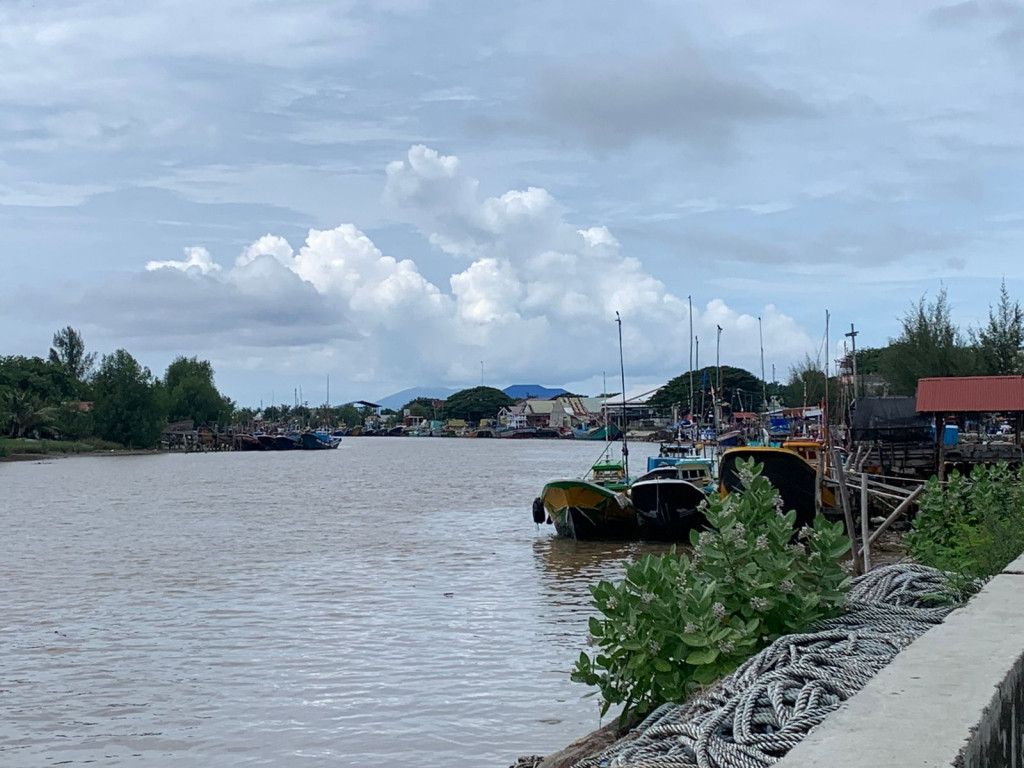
(970, 394)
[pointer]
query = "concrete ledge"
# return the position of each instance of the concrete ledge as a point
(955, 697)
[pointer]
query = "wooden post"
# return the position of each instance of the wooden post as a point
(864, 523)
(940, 437)
(819, 478)
(844, 498)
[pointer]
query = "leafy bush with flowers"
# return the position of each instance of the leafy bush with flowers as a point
(679, 622)
(972, 527)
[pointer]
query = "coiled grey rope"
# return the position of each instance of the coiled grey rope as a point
(753, 717)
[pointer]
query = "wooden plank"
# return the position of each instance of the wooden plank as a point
(895, 514)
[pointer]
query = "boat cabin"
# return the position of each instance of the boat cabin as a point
(810, 451)
(610, 474)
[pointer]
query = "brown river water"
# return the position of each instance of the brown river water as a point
(390, 603)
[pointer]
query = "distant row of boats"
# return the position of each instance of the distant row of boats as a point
(666, 502)
(290, 441)
(514, 433)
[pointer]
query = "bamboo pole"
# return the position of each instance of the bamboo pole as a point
(864, 530)
(844, 498)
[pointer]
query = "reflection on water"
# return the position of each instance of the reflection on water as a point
(390, 603)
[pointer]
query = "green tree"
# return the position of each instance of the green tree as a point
(421, 407)
(806, 384)
(24, 414)
(740, 388)
(930, 344)
(999, 342)
(191, 393)
(128, 408)
(476, 403)
(349, 415)
(50, 383)
(68, 350)
(868, 360)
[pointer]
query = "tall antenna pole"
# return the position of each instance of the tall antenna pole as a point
(481, 373)
(689, 301)
(853, 341)
(622, 371)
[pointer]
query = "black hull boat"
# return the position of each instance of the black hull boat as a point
(268, 442)
(667, 508)
(793, 477)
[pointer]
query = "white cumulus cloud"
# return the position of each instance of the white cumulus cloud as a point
(537, 299)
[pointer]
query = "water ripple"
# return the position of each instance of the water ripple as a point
(389, 603)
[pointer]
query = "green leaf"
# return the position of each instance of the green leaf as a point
(704, 656)
(662, 666)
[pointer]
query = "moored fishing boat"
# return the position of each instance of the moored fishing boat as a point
(318, 441)
(288, 442)
(592, 508)
(667, 506)
(792, 475)
(244, 442)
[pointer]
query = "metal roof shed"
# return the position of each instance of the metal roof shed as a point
(971, 394)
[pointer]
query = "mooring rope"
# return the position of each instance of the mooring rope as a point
(753, 717)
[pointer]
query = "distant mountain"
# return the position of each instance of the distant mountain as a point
(523, 391)
(516, 392)
(398, 399)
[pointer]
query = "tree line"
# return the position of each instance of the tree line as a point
(69, 395)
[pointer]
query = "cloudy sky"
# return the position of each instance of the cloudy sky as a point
(414, 192)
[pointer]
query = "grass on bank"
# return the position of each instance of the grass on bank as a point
(24, 446)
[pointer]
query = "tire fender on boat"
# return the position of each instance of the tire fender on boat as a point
(538, 511)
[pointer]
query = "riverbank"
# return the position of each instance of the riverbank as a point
(28, 449)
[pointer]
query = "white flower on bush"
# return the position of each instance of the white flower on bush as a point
(759, 604)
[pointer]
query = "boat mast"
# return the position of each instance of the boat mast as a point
(718, 377)
(764, 386)
(622, 371)
(824, 415)
(689, 405)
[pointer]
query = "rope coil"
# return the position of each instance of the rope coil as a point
(754, 716)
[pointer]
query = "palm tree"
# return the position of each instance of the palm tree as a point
(23, 414)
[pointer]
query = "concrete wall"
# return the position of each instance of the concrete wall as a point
(955, 697)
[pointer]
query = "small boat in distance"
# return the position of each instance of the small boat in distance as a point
(267, 441)
(317, 441)
(611, 432)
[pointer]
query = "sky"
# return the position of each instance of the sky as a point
(408, 193)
